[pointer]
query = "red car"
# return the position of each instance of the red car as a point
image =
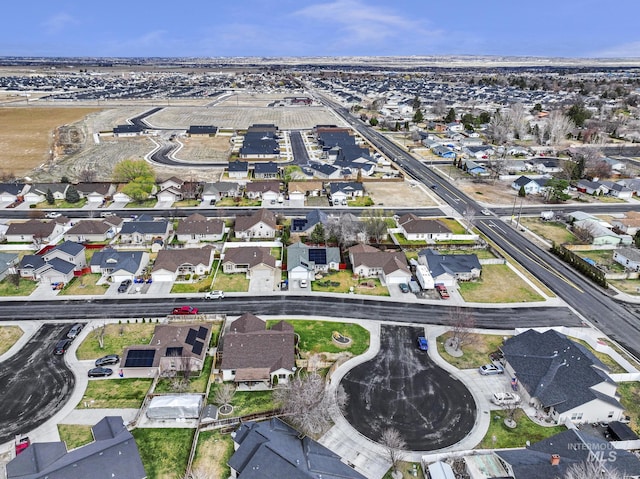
(185, 310)
(442, 290)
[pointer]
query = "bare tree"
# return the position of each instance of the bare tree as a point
(439, 108)
(469, 216)
(462, 322)
(99, 333)
(584, 232)
(375, 225)
(394, 446)
(592, 469)
(499, 128)
(558, 126)
(88, 175)
(306, 402)
(224, 394)
(518, 115)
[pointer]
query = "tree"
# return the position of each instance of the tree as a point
(578, 113)
(306, 403)
(49, 197)
(375, 223)
(462, 322)
(438, 108)
(128, 170)
(636, 239)
(373, 121)
(394, 446)
(517, 115)
(99, 333)
(418, 116)
(64, 179)
(555, 190)
(451, 116)
(593, 469)
(558, 126)
(499, 128)
(14, 279)
(224, 394)
(136, 191)
(88, 175)
(415, 104)
(469, 216)
(522, 192)
(317, 236)
(72, 196)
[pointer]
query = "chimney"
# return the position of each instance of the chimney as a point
(555, 459)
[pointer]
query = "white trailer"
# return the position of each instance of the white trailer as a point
(424, 277)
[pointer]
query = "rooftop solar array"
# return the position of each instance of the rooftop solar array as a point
(318, 255)
(197, 347)
(299, 224)
(140, 358)
(191, 336)
(202, 332)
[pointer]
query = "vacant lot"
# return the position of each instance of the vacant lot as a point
(8, 337)
(555, 231)
(213, 452)
(27, 135)
(205, 150)
(115, 393)
(397, 194)
(164, 452)
(116, 338)
(498, 284)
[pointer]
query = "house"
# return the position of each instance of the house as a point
(29, 265)
(113, 453)
(633, 184)
(261, 224)
(8, 264)
(340, 192)
(69, 251)
(123, 131)
(306, 225)
(628, 257)
(443, 151)
(266, 170)
(308, 188)
(248, 260)
(269, 189)
(562, 379)
(56, 270)
(86, 231)
(629, 225)
(369, 262)
(117, 266)
(95, 193)
(38, 192)
(592, 187)
(212, 192)
(447, 269)
(553, 456)
(238, 169)
(12, 192)
(601, 235)
(169, 195)
(172, 263)
(275, 449)
(531, 186)
(325, 171)
(196, 228)
(474, 169)
(617, 190)
(304, 262)
(260, 141)
(455, 127)
(415, 229)
(36, 231)
(253, 354)
(479, 152)
(144, 232)
(544, 165)
(174, 347)
(615, 164)
(202, 130)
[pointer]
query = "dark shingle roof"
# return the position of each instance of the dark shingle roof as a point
(145, 227)
(238, 166)
(109, 258)
(449, 263)
(69, 247)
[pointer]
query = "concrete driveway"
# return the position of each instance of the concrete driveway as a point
(262, 281)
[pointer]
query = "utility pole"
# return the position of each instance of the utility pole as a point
(513, 210)
(519, 213)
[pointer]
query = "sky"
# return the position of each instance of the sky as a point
(295, 28)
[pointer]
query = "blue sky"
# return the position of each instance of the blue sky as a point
(557, 28)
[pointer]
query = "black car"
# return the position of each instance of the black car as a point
(404, 287)
(61, 346)
(107, 360)
(74, 331)
(100, 372)
(124, 286)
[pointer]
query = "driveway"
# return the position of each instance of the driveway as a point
(262, 281)
(402, 388)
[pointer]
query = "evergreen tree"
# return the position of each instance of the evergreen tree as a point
(317, 235)
(451, 116)
(49, 197)
(521, 192)
(418, 116)
(72, 196)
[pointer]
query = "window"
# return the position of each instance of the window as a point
(610, 415)
(576, 416)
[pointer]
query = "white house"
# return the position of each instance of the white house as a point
(628, 257)
(261, 224)
(389, 267)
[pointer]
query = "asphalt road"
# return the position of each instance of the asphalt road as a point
(35, 384)
(402, 388)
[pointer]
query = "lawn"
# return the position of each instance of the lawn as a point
(630, 399)
(455, 226)
(116, 338)
(212, 453)
(526, 430)
(85, 285)
(150, 203)
(197, 384)
(603, 258)
(315, 336)
(342, 281)
(24, 288)
(246, 402)
(360, 201)
(555, 231)
(402, 240)
(115, 393)
(186, 203)
(410, 470)
(629, 286)
(475, 350)
(8, 337)
(199, 286)
(237, 202)
(164, 452)
(231, 282)
(498, 284)
(480, 253)
(75, 435)
(607, 360)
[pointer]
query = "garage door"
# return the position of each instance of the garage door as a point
(162, 277)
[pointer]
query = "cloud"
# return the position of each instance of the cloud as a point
(626, 50)
(59, 22)
(147, 44)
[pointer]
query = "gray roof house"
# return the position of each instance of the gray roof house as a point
(29, 264)
(448, 268)
(266, 170)
(260, 224)
(140, 232)
(369, 262)
(628, 257)
(113, 453)
(196, 228)
(307, 224)
(212, 192)
(69, 251)
(272, 448)
(8, 263)
(238, 169)
(9, 192)
(562, 378)
(119, 265)
(90, 230)
(303, 262)
(172, 263)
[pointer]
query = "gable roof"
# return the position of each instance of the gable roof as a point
(449, 263)
(263, 215)
(313, 218)
(145, 227)
(238, 166)
(263, 186)
(299, 254)
(112, 259)
(345, 186)
(101, 188)
(371, 257)
(270, 167)
(250, 255)
(89, 227)
(198, 224)
(202, 130)
(412, 224)
(11, 188)
(274, 449)
(31, 227)
(172, 259)
(69, 247)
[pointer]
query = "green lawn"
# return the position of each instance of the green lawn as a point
(475, 350)
(361, 201)
(555, 231)
(150, 203)
(186, 203)
(115, 393)
(197, 384)
(8, 337)
(630, 399)
(200, 286)
(498, 284)
(342, 281)
(526, 430)
(602, 258)
(84, 285)
(246, 402)
(408, 469)
(402, 240)
(455, 226)
(213, 452)
(480, 253)
(607, 360)
(237, 202)
(315, 336)
(25, 287)
(164, 452)
(75, 435)
(116, 338)
(231, 282)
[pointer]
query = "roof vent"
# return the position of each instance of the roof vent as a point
(555, 459)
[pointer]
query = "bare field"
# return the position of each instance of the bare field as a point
(105, 120)
(27, 135)
(397, 194)
(204, 150)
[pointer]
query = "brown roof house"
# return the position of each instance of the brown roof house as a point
(415, 229)
(253, 354)
(261, 224)
(90, 230)
(173, 347)
(36, 231)
(172, 263)
(196, 228)
(266, 190)
(369, 262)
(257, 264)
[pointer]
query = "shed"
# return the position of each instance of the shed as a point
(175, 406)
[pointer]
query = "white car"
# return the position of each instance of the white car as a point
(53, 215)
(216, 294)
(303, 283)
(503, 399)
(486, 212)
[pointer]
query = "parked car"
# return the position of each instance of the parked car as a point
(106, 214)
(74, 331)
(107, 360)
(488, 369)
(185, 310)
(100, 372)
(442, 291)
(404, 287)
(503, 399)
(217, 294)
(61, 346)
(423, 345)
(21, 444)
(124, 286)
(303, 283)
(53, 215)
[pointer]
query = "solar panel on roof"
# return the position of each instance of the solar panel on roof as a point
(191, 336)
(197, 348)
(318, 255)
(140, 358)
(202, 332)
(299, 224)
(177, 352)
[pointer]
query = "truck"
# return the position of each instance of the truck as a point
(547, 215)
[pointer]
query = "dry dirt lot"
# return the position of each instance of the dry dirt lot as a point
(205, 150)
(398, 194)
